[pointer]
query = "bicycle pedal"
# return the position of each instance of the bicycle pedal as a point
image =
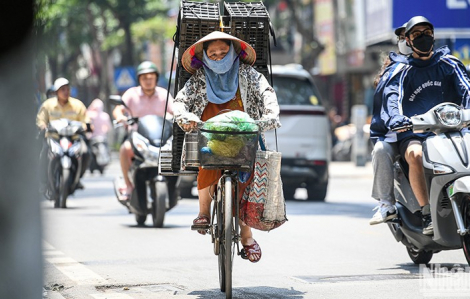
(200, 227)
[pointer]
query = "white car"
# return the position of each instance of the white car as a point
(304, 138)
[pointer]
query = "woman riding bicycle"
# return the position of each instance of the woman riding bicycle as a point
(223, 79)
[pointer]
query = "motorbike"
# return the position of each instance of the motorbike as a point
(100, 156)
(153, 193)
(446, 161)
(65, 139)
(343, 148)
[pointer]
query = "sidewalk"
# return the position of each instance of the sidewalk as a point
(349, 170)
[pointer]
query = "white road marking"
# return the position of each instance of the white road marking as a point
(81, 275)
(76, 272)
(110, 296)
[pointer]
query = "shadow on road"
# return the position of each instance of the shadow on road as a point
(149, 225)
(298, 207)
(251, 293)
(415, 269)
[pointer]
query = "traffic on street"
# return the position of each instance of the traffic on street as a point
(221, 149)
(95, 249)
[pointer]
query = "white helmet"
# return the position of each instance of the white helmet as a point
(59, 83)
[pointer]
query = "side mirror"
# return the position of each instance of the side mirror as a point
(116, 100)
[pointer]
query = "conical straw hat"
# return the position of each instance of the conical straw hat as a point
(196, 51)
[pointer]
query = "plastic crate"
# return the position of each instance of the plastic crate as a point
(176, 148)
(263, 69)
(197, 20)
(190, 156)
(183, 76)
(249, 21)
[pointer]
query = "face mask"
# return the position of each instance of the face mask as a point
(403, 48)
(220, 66)
(423, 43)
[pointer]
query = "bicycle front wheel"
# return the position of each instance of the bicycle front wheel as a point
(219, 244)
(228, 236)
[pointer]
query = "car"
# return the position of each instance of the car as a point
(304, 138)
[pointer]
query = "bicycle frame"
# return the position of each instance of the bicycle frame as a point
(225, 226)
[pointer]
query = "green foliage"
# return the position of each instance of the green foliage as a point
(63, 25)
(156, 29)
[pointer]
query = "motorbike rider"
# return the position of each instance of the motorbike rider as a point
(384, 153)
(142, 100)
(428, 77)
(62, 106)
(99, 119)
(101, 123)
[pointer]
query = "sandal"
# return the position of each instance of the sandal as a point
(249, 251)
(201, 224)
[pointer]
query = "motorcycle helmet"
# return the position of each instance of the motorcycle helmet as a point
(147, 67)
(60, 82)
(416, 21)
(397, 31)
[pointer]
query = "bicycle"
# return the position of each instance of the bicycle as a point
(224, 224)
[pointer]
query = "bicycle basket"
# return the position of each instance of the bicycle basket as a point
(228, 145)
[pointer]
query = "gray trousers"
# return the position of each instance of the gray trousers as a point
(384, 155)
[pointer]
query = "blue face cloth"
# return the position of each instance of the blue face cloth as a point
(221, 77)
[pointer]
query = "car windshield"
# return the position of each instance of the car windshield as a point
(295, 91)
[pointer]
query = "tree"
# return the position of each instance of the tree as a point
(66, 28)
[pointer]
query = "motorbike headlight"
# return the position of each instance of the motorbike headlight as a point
(140, 145)
(449, 115)
(441, 169)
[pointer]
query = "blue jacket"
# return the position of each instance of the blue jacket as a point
(420, 85)
(378, 129)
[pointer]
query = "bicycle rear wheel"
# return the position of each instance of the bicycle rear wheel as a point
(228, 236)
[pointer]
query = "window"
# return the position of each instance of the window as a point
(295, 91)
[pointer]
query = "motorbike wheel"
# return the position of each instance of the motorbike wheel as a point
(419, 257)
(159, 204)
(289, 192)
(173, 192)
(466, 221)
(317, 192)
(64, 188)
(55, 191)
(140, 219)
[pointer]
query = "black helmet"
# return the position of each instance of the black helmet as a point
(415, 21)
(147, 67)
(399, 29)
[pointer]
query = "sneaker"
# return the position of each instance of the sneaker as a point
(384, 213)
(427, 225)
(80, 185)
